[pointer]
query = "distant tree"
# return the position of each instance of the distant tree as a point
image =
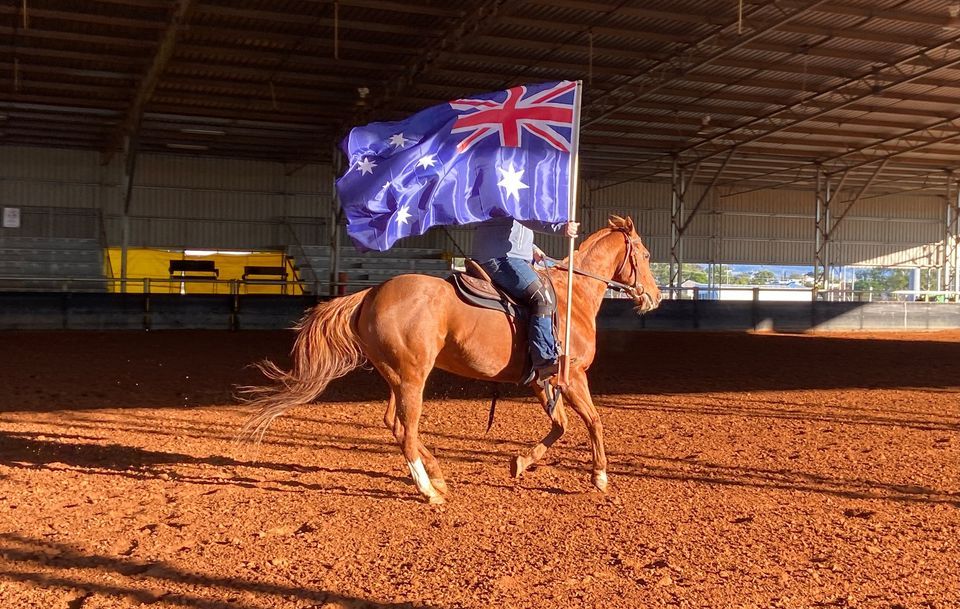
(696, 272)
(881, 280)
(661, 272)
(763, 277)
(741, 279)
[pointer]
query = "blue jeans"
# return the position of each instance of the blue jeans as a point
(514, 276)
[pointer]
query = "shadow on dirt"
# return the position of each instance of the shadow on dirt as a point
(35, 451)
(703, 472)
(46, 371)
(49, 564)
(63, 453)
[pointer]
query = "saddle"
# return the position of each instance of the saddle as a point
(475, 288)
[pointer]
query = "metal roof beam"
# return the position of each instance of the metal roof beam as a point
(706, 19)
(868, 11)
(305, 20)
(453, 36)
(35, 32)
(835, 98)
(919, 138)
(599, 30)
(680, 64)
(833, 9)
(129, 125)
(81, 17)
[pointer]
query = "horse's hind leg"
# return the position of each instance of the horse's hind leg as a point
(409, 395)
(430, 462)
(558, 424)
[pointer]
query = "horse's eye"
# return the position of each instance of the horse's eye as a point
(646, 256)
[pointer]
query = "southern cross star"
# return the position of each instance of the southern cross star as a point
(397, 140)
(427, 160)
(510, 181)
(403, 216)
(365, 166)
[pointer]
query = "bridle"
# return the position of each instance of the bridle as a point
(634, 289)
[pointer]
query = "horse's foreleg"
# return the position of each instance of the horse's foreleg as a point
(578, 394)
(558, 425)
(430, 462)
(409, 406)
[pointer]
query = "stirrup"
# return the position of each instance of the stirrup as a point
(553, 396)
(546, 372)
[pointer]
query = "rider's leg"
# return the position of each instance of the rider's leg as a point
(518, 279)
(543, 346)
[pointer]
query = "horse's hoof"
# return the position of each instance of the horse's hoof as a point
(436, 500)
(440, 485)
(517, 466)
(600, 481)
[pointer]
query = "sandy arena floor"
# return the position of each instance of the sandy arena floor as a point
(747, 470)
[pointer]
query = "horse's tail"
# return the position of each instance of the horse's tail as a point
(326, 349)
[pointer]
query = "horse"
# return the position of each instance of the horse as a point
(411, 324)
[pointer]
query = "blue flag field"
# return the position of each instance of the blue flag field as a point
(497, 154)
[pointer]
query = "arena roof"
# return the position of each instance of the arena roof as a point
(765, 90)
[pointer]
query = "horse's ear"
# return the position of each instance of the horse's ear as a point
(630, 226)
(616, 221)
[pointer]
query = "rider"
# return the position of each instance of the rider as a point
(504, 248)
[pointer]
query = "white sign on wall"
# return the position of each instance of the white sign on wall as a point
(11, 217)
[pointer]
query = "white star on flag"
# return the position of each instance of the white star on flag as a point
(427, 160)
(510, 181)
(386, 185)
(365, 166)
(403, 216)
(397, 140)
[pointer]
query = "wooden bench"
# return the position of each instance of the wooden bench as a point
(193, 266)
(276, 272)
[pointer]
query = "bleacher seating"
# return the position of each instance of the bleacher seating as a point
(313, 265)
(193, 269)
(51, 264)
(264, 273)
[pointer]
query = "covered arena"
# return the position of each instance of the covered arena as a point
(167, 178)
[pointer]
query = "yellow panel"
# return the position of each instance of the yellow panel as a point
(151, 264)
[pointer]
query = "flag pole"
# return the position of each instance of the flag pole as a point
(572, 215)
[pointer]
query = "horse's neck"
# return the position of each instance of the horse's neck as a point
(588, 293)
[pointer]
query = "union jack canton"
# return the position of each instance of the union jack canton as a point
(497, 154)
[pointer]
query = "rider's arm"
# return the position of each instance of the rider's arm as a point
(554, 228)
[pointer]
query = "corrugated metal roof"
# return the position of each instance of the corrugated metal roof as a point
(279, 79)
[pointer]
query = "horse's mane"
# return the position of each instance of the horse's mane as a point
(615, 224)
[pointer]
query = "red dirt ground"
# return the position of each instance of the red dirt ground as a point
(747, 470)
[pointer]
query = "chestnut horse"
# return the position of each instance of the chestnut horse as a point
(411, 324)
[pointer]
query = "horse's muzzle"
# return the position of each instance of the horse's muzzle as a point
(646, 303)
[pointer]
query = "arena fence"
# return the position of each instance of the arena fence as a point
(236, 310)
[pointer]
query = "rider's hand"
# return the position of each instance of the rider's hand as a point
(572, 228)
(538, 255)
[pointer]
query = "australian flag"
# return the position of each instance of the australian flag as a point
(497, 154)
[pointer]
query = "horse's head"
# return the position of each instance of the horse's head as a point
(634, 269)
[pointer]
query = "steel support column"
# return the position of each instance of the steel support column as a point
(821, 236)
(336, 217)
(129, 168)
(677, 192)
(951, 241)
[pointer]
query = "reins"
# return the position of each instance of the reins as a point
(635, 290)
(616, 285)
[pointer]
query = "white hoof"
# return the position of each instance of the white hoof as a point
(600, 481)
(439, 484)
